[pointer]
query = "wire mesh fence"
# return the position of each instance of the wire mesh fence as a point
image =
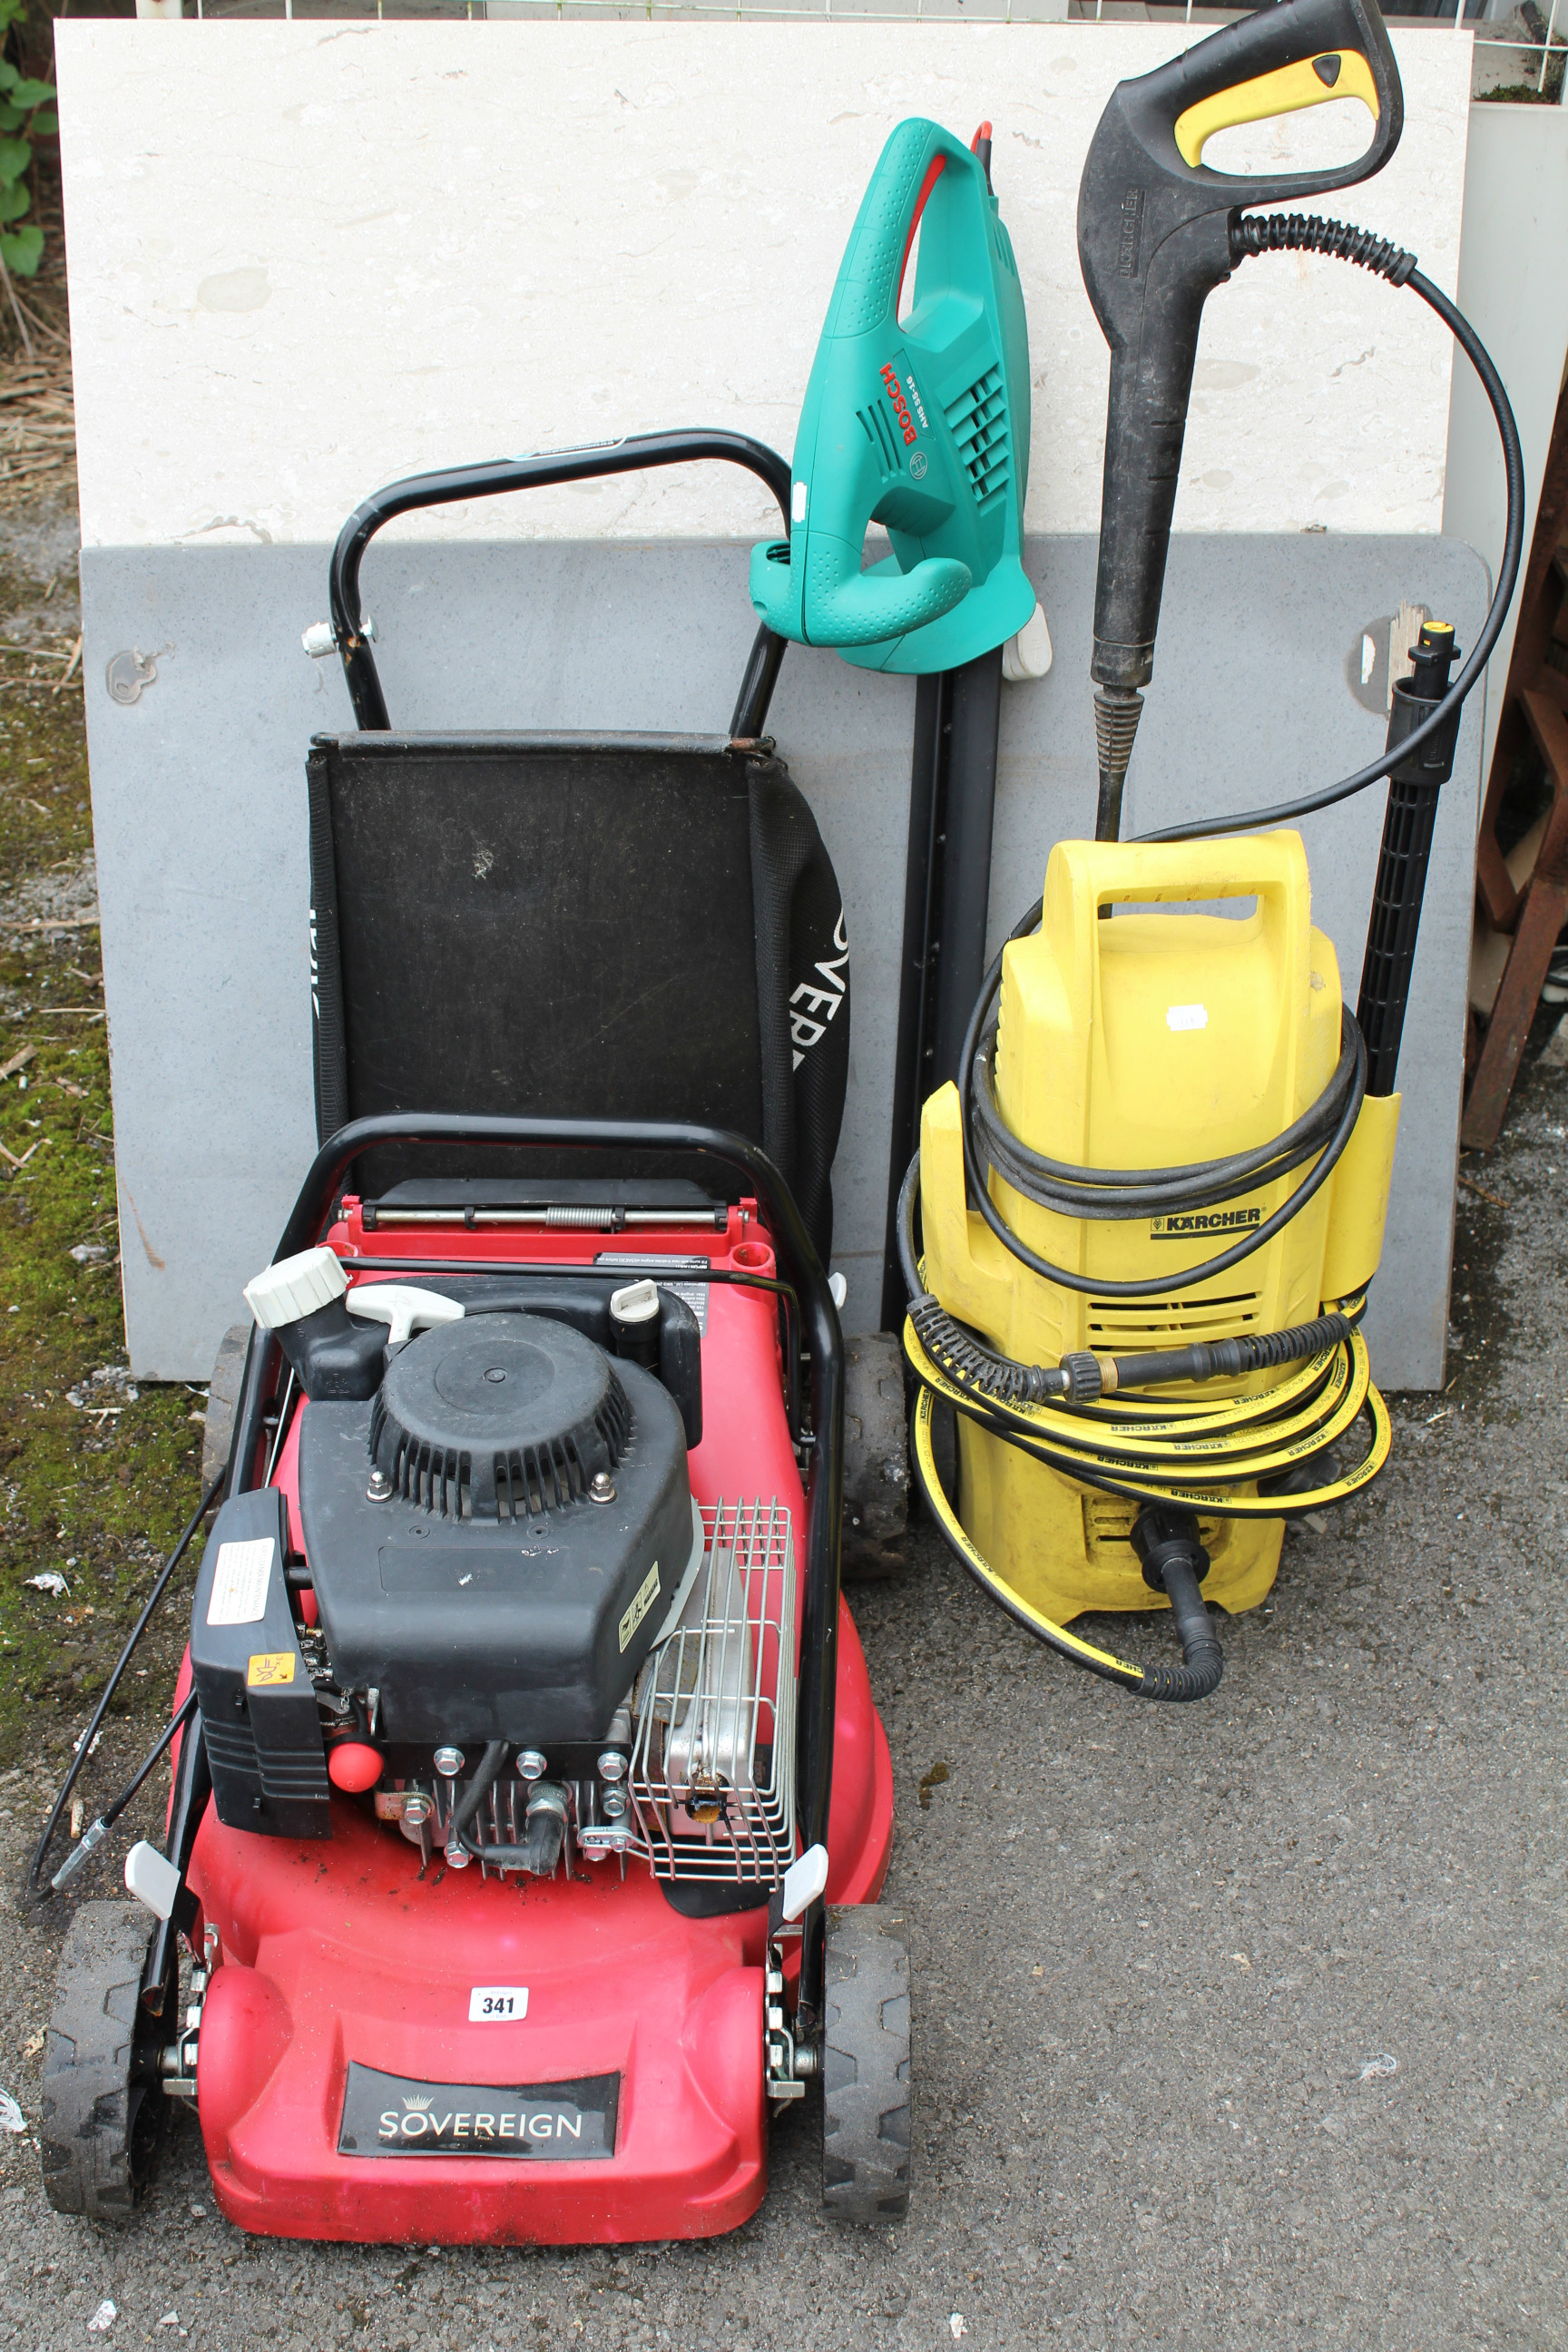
(1519, 52)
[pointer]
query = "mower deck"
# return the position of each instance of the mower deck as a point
(349, 1953)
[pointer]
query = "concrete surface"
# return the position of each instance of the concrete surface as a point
(375, 247)
(1241, 2026)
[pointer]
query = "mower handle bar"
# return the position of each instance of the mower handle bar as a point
(818, 1679)
(450, 485)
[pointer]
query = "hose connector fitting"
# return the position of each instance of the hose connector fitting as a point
(1085, 1377)
(1174, 1562)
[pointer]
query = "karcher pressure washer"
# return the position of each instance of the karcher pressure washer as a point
(1152, 1204)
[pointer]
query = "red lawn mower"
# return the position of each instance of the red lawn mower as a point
(530, 1807)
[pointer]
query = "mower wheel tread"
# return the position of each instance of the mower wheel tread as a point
(223, 1401)
(866, 2086)
(97, 2134)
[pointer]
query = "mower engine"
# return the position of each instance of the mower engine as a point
(520, 1634)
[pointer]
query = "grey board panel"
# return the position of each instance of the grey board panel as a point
(199, 810)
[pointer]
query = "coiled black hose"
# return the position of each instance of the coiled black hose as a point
(1323, 1131)
(1122, 1192)
(966, 1360)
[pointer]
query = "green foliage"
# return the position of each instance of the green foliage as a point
(94, 1495)
(26, 111)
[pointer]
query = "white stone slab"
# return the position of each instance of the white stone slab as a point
(306, 258)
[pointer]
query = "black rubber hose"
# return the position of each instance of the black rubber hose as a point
(534, 1856)
(972, 1364)
(547, 1836)
(1174, 1562)
(1203, 1660)
(492, 1765)
(991, 1374)
(1102, 1192)
(1305, 233)
(1235, 1360)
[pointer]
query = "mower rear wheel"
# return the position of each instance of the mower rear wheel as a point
(103, 2107)
(223, 1401)
(866, 2092)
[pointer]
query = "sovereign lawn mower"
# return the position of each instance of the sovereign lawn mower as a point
(523, 1740)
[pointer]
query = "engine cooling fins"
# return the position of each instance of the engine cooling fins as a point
(498, 1418)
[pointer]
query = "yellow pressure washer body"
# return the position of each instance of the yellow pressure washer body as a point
(1169, 1034)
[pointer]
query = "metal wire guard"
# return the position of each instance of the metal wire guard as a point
(713, 1766)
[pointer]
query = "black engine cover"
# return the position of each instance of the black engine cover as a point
(490, 1596)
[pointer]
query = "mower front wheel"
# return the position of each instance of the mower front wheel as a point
(865, 2088)
(103, 2105)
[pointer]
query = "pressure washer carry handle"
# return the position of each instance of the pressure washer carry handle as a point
(452, 484)
(1154, 240)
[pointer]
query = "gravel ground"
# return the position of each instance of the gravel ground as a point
(1238, 2025)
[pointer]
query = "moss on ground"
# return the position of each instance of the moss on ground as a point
(95, 1490)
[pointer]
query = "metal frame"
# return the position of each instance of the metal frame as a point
(714, 1693)
(446, 487)
(947, 895)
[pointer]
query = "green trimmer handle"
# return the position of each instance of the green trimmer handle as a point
(812, 587)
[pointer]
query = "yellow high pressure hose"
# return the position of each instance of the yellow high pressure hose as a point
(1194, 1454)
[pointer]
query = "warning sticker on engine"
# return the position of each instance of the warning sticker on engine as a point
(694, 1293)
(268, 1668)
(238, 1596)
(647, 1594)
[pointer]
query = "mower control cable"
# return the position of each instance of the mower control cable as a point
(81, 1852)
(36, 1890)
(1307, 233)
